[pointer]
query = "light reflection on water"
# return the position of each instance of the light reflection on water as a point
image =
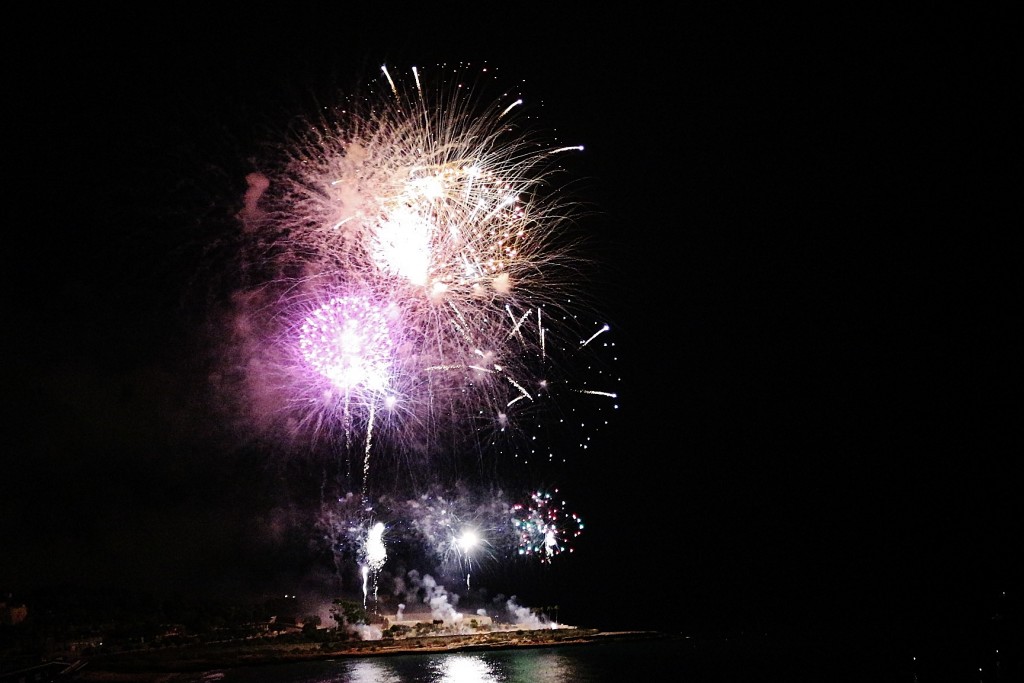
(533, 666)
(631, 661)
(537, 667)
(572, 664)
(544, 668)
(464, 669)
(370, 671)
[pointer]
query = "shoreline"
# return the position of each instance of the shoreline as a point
(176, 664)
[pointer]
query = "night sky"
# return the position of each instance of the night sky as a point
(804, 227)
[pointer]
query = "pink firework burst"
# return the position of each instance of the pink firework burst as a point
(347, 341)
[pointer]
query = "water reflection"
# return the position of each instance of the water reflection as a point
(542, 668)
(369, 671)
(611, 662)
(464, 669)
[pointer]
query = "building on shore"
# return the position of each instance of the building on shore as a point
(424, 620)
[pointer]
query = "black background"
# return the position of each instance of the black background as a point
(809, 223)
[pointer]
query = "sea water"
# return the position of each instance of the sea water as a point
(639, 661)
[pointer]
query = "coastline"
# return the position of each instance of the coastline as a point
(181, 663)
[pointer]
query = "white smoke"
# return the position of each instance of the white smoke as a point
(526, 618)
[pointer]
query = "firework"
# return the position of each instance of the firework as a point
(441, 213)
(375, 555)
(544, 528)
(458, 528)
(418, 295)
(346, 340)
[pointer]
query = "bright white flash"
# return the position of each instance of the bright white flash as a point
(376, 553)
(468, 540)
(402, 246)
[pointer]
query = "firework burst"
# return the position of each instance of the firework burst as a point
(440, 212)
(544, 528)
(347, 341)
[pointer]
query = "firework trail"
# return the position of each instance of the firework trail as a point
(418, 294)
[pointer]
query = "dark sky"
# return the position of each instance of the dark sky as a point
(806, 228)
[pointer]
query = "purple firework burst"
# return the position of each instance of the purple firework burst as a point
(347, 341)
